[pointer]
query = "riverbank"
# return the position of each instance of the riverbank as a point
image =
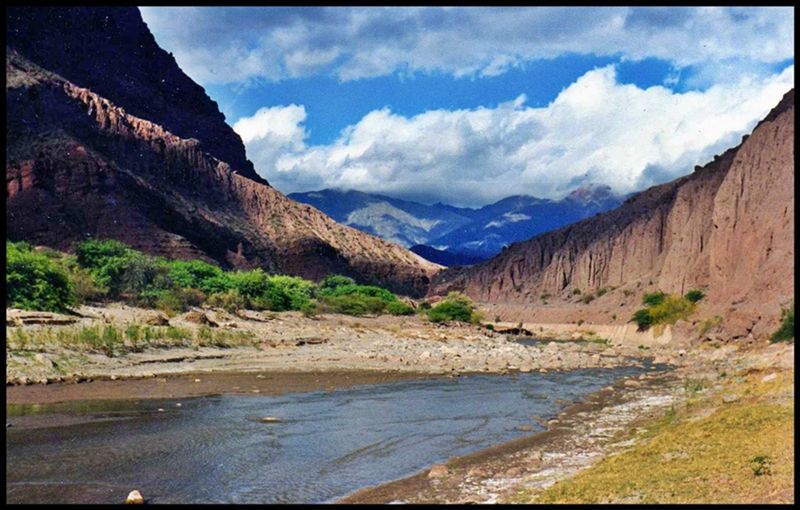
(121, 342)
(602, 441)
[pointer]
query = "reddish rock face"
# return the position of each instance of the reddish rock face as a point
(728, 228)
(78, 164)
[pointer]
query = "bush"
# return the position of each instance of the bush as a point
(250, 283)
(350, 289)
(653, 299)
(334, 280)
(695, 295)
(354, 304)
(399, 308)
(587, 298)
(194, 274)
(289, 292)
(643, 319)
(671, 309)
(455, 306)
(230, 300)
(34, 281)
(94, 253)
(785, 332)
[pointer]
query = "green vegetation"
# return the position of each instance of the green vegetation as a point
(695, 295)
(454, 307)
(113, 340)
(101, 270)
(785, 332)
(36, 282)
(662, 309)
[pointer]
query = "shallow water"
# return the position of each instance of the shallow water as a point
(327, 445)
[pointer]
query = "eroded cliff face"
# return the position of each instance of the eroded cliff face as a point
(79, 165)
(110, 51)
(727, 228)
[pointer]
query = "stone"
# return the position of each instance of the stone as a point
(632, 383)
(525, 428)
(512, 472)
(199, 318)
(730, 398)
(270, 419)
(158, 319)
(770, 377)
(438, 471)
(134, 498)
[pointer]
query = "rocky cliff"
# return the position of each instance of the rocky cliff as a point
(727, 228)
(159, 170)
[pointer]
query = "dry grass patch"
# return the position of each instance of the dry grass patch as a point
(741, 452)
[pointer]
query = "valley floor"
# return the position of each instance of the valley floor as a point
(717, 428)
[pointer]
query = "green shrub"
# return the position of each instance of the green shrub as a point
(334, 280)
(587, 298)
(455, 307)
(575, 292)
(785, 332)
(230, 300)
(642, 318)
(671, 309)
(399, 308)
(653, 298)
(36, 282)
(194, 274)
(94, 253)
(289, 292)
(354, 304)
(695, 295)
(350, 289)
(250, 283)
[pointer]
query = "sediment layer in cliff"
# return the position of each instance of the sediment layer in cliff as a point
(727, 228)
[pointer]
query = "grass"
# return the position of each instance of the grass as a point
(739, 453)
(113, 340)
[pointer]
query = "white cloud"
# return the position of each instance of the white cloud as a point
(596, 130)
(228, 45)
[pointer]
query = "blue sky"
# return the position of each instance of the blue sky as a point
(466, 105)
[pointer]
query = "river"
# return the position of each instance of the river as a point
(326, 445)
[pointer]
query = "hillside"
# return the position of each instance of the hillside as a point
(727, 228)
(106, 137)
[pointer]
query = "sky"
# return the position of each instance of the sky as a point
(467, 105)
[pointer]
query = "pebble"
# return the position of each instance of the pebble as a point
(632, 383)
(270, 419)
(197, 380)
(770, 377)
(134, 498)
(514, 471)
(160, 409)
(525, 428)
(178, 404)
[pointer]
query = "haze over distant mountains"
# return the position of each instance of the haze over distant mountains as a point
(450, 235)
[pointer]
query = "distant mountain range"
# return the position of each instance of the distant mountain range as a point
(450, 235)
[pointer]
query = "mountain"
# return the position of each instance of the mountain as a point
(443, 233)
(107, 137)
(519, 218)
(400, 221)
(727, 228)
